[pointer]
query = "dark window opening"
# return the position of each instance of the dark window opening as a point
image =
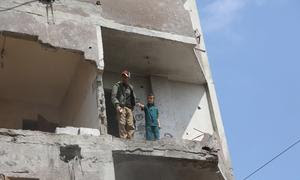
(112, 123)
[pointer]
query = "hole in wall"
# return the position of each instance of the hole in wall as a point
(70, 152)
(98, 3)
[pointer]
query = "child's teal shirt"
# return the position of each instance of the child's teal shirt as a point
(151, 115)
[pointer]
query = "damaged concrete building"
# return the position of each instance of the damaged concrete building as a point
(58, 61)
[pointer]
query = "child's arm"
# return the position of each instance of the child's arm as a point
(140, 105)
(158, 121)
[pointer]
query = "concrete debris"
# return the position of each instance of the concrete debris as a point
(89, 157)
(77, 131)
(67, 130)
(89, 131)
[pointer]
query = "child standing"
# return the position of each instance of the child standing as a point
(152, 123)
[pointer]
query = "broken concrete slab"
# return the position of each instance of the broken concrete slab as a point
(89, 131)
(44, 155)
(77, 131)
(67, 130)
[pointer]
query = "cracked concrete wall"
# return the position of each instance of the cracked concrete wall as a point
(74, 27)
(68, 32)
(101, 108)
(73, 23)
(64, 30)
(21, 156)
(49, 156)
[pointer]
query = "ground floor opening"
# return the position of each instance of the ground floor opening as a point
(136, 167)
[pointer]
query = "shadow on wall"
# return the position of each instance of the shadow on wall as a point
(41, 124)
(133, 167)
(112, 124)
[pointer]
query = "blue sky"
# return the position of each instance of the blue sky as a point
(254, 52)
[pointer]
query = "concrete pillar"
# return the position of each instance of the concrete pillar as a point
(99, 83)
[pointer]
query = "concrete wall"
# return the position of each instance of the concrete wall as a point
(149, 55)
(12, 113)
(35, 73)
(182, 108)
(62, 157)
(73, 24)
(168, 15)
(41, 158)
(79, 107)
(65, 31)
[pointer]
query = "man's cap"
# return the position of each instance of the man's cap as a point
(126, 73)
(150, 94)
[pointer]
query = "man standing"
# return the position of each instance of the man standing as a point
(123, 99)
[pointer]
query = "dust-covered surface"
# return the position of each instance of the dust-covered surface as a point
(50, 156)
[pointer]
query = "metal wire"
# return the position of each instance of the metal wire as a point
(11, 8)
(265, 164)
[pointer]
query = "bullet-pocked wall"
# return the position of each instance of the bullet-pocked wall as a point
(43, 87)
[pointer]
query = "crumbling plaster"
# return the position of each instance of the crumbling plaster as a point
(73, 27)
(49, 156)
(53, 83)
